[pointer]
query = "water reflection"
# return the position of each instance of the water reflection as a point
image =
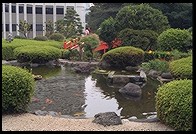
(76, 94)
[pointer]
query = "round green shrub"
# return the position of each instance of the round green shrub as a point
(17, 88)
(37, 54)
(66, 54)
(175, 39)
(41, 38)
(174, 104)
(182, 68)
(57, 37)
(144, 39)
(124, 56)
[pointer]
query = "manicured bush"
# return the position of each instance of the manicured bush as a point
(124, 56)
(41, 38)
(175, 39)
(8, 48)
(174, 104)
(19, 37)
(57, 37)
(17, 88)
(181, 68)
(158, 65)
(37, 54)
(144, 39)
(65, 54)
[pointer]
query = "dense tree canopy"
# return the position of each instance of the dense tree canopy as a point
(141, 17)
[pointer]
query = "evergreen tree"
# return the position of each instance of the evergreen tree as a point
(24, 28)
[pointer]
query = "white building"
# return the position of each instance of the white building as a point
(37, 14)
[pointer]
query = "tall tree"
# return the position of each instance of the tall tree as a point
(70, 25)
(24, 28)
(49, 28)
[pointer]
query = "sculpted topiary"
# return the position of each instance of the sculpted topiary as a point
(124, 56)
(17, 88)
(174, 104)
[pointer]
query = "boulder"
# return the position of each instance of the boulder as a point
(131, 89)
(131, 68)
(107, 119)
(83, 68)
(153, 73)
(166, 75)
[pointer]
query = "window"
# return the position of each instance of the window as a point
(6, 8)
(21, 9)
(38, 10)
(13, 27)
(13, 9)
(49, 10)
(29, 10)
(7, 27)
(31, 27)
(39, 27)
(59, 10)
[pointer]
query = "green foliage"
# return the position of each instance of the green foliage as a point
(178, 55)
(174, 104)
(74, 55)
(158, 65)
(19, 37)
(124, 56)
(66, 54)
(49, 28)
(37, 54)
(57, 37)
(24, 28)
(17, 88)
(90, 43)
(182, 68)
(41, 38)
(107, 31)
(175, 39)
(141, 17)
(7, 48)
(144, 39)
(71, 25)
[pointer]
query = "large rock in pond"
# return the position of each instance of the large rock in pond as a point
(131, 89)
(107, 119)
(83, 68)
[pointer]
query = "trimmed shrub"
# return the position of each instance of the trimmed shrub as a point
(175, 39)
(41, 38)
(144, 39)
(182, 68)
(66, 54)
(174, 104)
(19, 37)
(124, 56)
(158, 65)
(57, 37)
(17, 88)
(37, 54)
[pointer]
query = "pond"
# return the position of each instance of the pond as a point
(62, 90)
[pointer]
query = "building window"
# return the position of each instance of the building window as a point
(21, 9)
(7, 27)
(59, 10)
(38, 10)
(13, 9)
(29, 10)
(31, 27)
(6, 8)
(13, 27)
(39, 27)
(49, 10)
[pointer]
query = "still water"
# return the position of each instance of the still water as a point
(63, 91)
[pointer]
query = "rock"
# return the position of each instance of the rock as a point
(144, 113)
(166, 75)
(52, 113)
(131, 89)
(131, 68)
(107, 119)
(153, 73)
(132, 118)
(104, 65)
(39, 112)
(83, 68)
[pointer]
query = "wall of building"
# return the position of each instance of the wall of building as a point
(14, 15)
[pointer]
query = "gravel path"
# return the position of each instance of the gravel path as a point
(30, 122)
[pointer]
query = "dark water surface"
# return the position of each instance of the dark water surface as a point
(63, 91)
